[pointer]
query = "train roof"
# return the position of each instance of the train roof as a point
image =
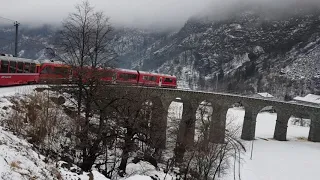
(157, 74)
(144, 72)
(10, 58)
(47, 61)
(127, 70)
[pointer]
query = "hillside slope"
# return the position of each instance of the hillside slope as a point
(252, 50)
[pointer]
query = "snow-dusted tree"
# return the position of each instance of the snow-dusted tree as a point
(84, 38)
(132, 117)
(84, 44)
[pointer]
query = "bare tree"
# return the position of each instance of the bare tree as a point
(84, 42)
(130, 114)
(206, 160)
(84, 45)
(84, 38)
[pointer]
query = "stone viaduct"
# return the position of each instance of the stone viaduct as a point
(161, 98)
(221, 102)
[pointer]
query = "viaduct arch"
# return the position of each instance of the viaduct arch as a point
(220, 102)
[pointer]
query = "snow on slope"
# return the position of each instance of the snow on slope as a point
(311, 98)
(18, 160)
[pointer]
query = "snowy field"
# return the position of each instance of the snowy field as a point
(295, 159)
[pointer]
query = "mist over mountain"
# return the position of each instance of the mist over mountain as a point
(249, 47)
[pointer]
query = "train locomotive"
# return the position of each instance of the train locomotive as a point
(18, 71)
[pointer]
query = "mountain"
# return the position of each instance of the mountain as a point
(32, 41)
(253, 48)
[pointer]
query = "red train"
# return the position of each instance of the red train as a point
(14, 71)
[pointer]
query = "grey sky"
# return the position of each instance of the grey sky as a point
(121, 12)
(140, 13)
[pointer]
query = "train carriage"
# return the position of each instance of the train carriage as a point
(55, 73)
(157, 80)
(126, 76)
(140, 78)
(168, 81)
(108, 75)
(15, 71)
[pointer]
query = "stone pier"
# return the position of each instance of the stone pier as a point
(314, 133)
(159, 123)
(280, 132)
(249, 124)
(218, 124)
(186, 130)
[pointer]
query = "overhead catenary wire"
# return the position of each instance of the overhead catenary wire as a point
(7, 19)
(16, 24)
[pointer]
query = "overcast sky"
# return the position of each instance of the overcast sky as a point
(141, 13)
(121, 12)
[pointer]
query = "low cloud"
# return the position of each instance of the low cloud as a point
(136, 13)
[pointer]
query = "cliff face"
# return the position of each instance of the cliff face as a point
(253, 49)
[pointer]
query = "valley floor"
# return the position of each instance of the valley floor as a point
(294, 159)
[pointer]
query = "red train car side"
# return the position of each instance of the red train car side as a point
(155, 79)
(140, 78)
(125, 76)
(15, 71)
(55, 72)
(108, 75)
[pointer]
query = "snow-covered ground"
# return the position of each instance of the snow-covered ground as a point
(294, 159)
(19, 161)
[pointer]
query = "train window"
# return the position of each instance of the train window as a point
(152, 78)
(107, 74)
(4, 66)
(128, 76)
(13, 67)
(33, 68)
(169, 80)
(20, 67)
(46, 70)
(124, 76)
(132, 76)
(26, 68)
(61, 70)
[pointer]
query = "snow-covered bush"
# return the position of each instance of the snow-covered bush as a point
(41, 119)
(300, 122)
